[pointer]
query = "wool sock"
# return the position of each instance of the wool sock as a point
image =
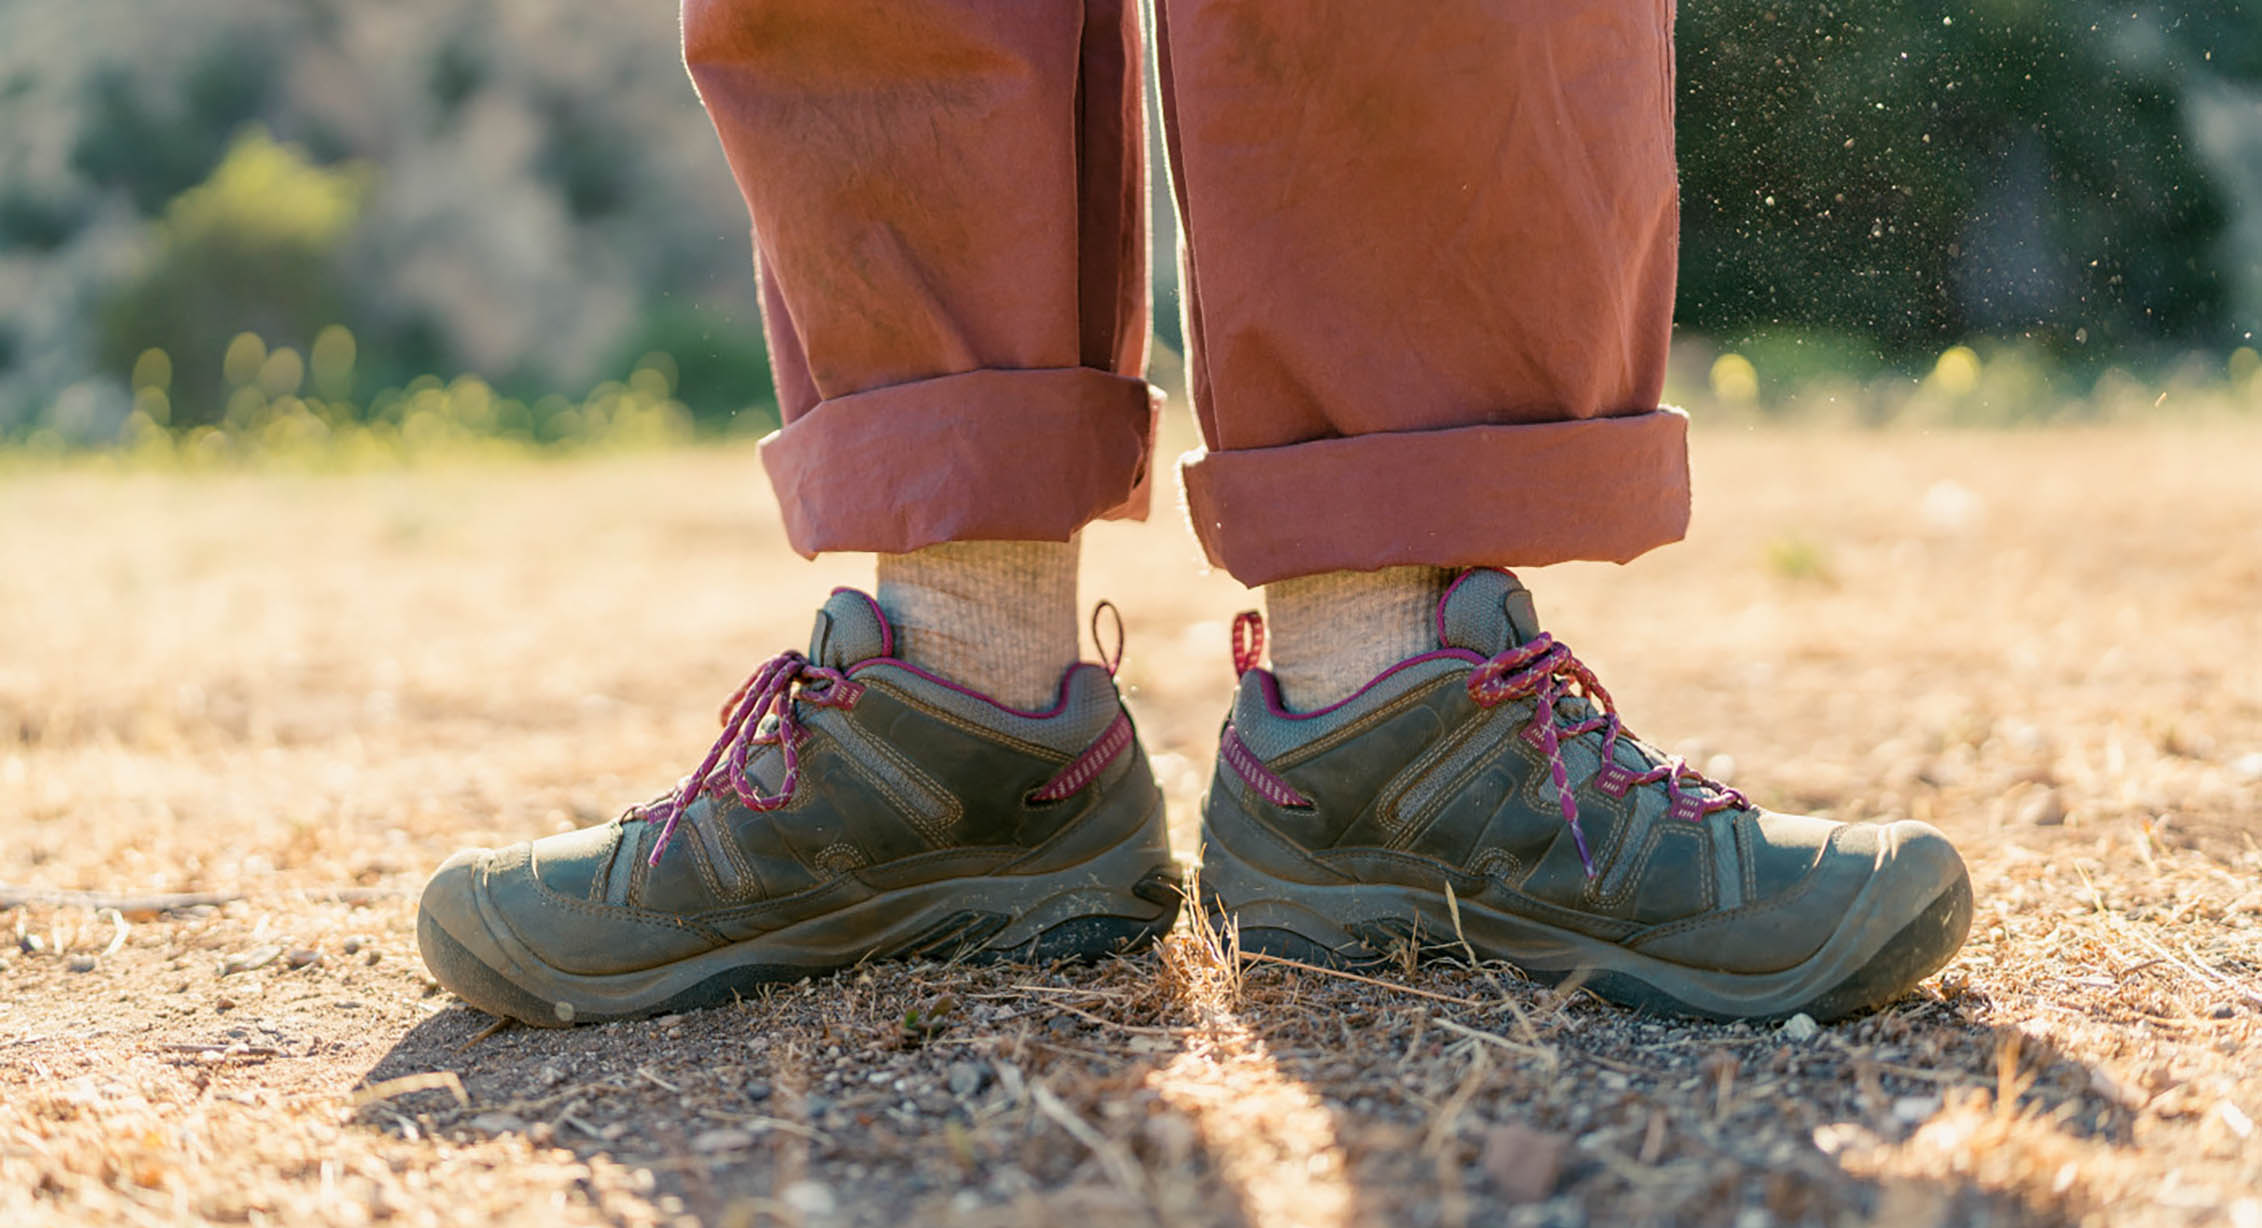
(999, 617)
(1333, 632)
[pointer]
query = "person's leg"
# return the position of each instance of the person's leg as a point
(1429, 280)
(1429, 284)
(948, 207)
(999, 617)
(947, 197)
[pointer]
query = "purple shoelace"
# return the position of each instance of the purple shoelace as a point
(770, 689)
(1545, 671)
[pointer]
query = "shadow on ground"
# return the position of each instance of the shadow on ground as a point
(1172, 1089)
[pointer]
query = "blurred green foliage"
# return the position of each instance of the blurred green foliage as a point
(1903, 175)
(156, 145)
(254, 249)
(719, 366)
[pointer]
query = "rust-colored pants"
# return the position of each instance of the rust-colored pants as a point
(1429, 256)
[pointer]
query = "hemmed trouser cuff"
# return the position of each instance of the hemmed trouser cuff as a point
(990, 455)
(1599, 489)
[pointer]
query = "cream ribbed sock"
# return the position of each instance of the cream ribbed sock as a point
(1333, 632)
(999, 617)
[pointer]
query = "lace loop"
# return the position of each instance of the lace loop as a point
(1545, 671)
(771, 690)
(1113, 663)
(1248, 641)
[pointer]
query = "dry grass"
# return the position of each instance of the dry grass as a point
(297, 694)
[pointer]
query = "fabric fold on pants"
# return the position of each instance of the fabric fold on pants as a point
(948, 199)
(1605, 490)
(983, 456)
(1429, 255)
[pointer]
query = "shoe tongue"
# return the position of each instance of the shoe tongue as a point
(850, 628)
(1486, 611)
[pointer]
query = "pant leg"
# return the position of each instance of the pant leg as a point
(1429, 279)
(948, 199)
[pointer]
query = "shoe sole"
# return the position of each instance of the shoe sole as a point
(1879, 951)
(1116, 903)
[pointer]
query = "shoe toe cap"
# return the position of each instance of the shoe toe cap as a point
(450, 897)
(1920, 857)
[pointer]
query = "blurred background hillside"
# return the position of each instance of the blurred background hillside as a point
(511, 219)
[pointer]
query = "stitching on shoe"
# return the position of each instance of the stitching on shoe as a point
(1416, 861)
(1658, 834)
(1408, 826)
(1797, 892)
(1092, 763)
(1354, 729)
(908, 700)
(935, 827)
(1425, 819)
(1262, 780)
(1538, 793)
(1296, 852)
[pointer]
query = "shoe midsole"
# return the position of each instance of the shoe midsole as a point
(1101, 886)
(1325, 914)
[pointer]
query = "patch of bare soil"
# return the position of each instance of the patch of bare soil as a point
(242, 717)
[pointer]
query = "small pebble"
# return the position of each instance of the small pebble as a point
(250, 960)
(966, 1078)
(1801, 1027)
(758, 1089)
(1524, 1164)
(809, 1198)
(497, 1123)
(81, 963)
(2043, 809)
(303, 957)
(722, 1140)
(351, 946)
(1915, 1109)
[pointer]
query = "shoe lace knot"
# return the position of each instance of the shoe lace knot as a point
(1544, 670)
(776, 689)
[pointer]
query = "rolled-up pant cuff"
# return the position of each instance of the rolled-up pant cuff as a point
(989, 455)
(1601, 489)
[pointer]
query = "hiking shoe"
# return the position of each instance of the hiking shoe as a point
(1494, 767)
(855, 807)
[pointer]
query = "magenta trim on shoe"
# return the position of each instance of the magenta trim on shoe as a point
(1437, 616)
(1086, 768)
(887, 629)
(1269, 685)
(1251, 769)
(1060, 702)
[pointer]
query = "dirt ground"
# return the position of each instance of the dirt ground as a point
(241, 717)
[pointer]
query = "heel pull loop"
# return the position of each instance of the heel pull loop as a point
(1113, 663)
(1248, 641)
